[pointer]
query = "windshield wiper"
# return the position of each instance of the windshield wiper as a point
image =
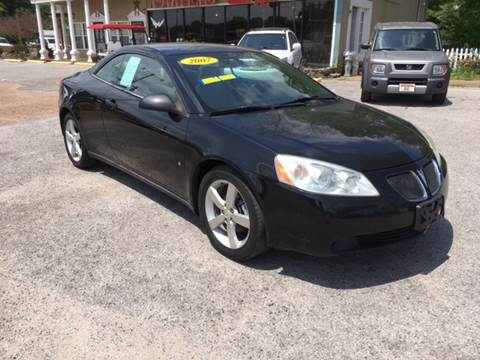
(419, 49)
(303, 100)
(239, 110)
(387, 49)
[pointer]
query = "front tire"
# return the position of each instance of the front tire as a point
(231, 215)
(366, 96)
(76, 150)
(439, 99)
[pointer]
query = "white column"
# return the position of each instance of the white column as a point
(64, 33)
(106, 10)
(91, 48)
(71, 27)
(43, 51)
(58, 50)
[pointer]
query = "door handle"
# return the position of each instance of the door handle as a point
(111, 104)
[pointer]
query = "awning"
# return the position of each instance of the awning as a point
(116, 27)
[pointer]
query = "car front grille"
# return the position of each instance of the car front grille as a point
(409, 186)
(408, 67)
(397, 81)
(417, 185)
(393, 235)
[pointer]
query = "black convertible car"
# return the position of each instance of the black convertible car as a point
(265, 155)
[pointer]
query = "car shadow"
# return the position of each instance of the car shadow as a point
(407, 101)
(361, 269)
(366, 268)
(146, 190)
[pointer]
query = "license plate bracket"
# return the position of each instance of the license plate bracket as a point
(428, 212)
(406, 88)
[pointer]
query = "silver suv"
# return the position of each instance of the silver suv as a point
(405, 58)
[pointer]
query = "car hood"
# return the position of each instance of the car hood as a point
(431, 56)
(337, 131)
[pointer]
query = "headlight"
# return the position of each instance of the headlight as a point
(432, 145)
(378, 68)
(321, 177)
(440, 70)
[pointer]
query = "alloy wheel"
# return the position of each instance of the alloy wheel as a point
(227, 214)
(72, 137)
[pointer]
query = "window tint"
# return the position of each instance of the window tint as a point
(145, 76)
(111, 71)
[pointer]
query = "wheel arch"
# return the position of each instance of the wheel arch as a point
(210, 163)
(64, 111)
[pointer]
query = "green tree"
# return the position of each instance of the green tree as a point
(15, 7)
(459, 21)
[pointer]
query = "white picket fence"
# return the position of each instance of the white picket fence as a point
(456, 55)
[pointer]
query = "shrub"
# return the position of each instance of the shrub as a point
(18, 51)
(469, 65)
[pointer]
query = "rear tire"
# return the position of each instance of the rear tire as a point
(366, 96)
(74, 144)
(439, 99)
(234, 223)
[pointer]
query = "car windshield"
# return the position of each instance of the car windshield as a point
(3, 41)
(407, 39)
(239, 81)
(265, 41)
(51, 41)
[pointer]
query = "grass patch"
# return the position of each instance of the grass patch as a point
(465, 75)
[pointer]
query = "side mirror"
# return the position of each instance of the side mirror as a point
(296, 46)
(159, 103)
(365, 46)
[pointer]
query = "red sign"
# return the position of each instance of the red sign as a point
(165, 4)
(162, 4)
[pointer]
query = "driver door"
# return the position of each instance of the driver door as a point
(149, 143)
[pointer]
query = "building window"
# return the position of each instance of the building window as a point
(237, 22)
(262, 16)
(121, 35)
(215, 24)
(175, 25)
(317, 35)
(139, 35)
(158, 26)
(80, 35)
(194, 24)
(289, 14)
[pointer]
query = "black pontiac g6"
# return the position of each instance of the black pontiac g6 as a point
(265, 155)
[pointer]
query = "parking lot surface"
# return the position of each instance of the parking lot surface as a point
(94, 264)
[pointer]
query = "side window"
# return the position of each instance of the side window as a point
(112, 70)
(145, 76)
(292, 38)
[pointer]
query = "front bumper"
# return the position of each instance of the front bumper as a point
(328, 225)
(423, 85)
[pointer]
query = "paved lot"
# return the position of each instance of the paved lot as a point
(97, 265)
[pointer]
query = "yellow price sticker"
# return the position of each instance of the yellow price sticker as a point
(199, 60)
(215, 79)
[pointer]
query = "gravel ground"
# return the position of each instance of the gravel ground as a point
(94, 264)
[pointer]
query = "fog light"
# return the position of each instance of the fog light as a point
(374, 83)
(439, 84)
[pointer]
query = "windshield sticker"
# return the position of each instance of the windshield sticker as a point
(199, 60)
(130, 71)
(215, 79)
